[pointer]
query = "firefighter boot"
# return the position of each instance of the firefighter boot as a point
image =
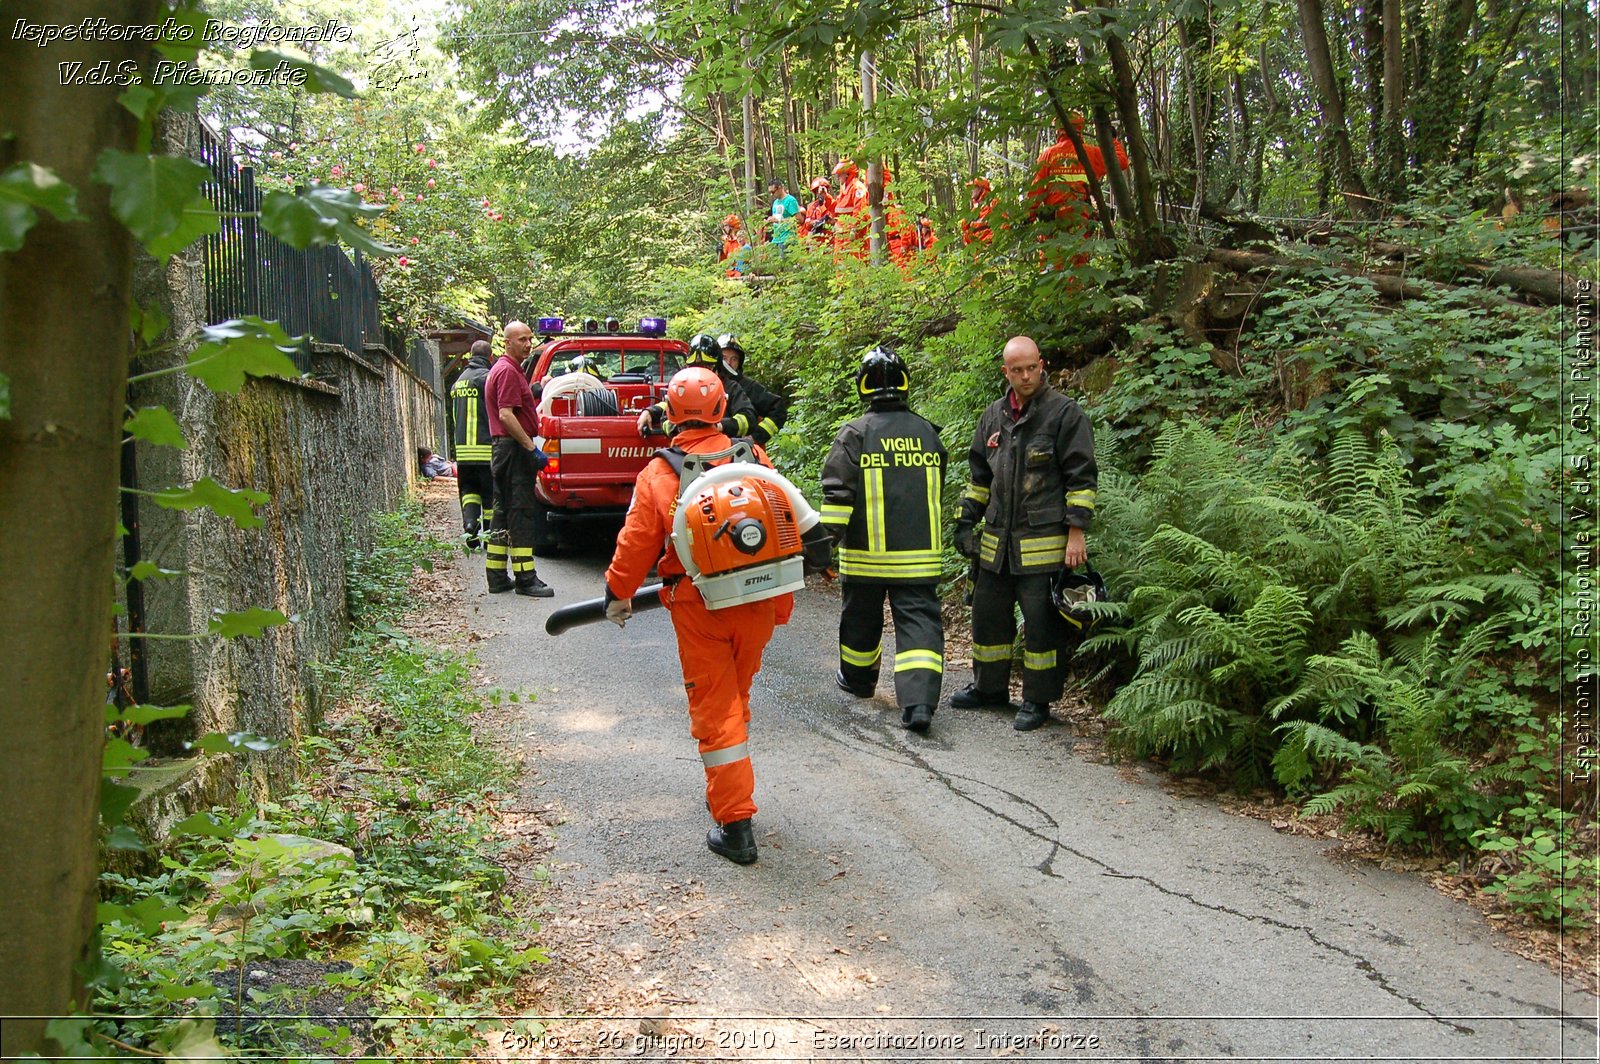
(969, 697)
(736, 841)
(917, 718)
(1032, 715)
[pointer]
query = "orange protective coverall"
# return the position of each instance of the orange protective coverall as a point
(816, 219)
(850, 214)
(977, 229)
(1061, 188)
(719, 650)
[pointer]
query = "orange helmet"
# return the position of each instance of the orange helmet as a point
(842, 167)
(981, 183)
(731, 221)
(819, 184)
(696, 394)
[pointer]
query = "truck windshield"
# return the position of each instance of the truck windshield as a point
(607, 362)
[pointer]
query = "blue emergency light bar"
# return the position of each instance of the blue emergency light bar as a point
(653, 326)
(550, 326)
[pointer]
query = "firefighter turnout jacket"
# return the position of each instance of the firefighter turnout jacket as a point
(881, 488)
(771, 408)
(1030, 479)
(469, 437)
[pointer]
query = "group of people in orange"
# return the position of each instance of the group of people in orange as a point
(1059, 193)
(842, 221)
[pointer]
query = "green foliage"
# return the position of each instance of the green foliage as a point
(158, 198)
(237, 505)
(421, 920)
(1543, 863)
(26, 189)
(231, 351)
(376, 576)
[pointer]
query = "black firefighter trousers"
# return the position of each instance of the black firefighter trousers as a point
(510, 549)
(994, 628)
(475, 488)
(918, 638)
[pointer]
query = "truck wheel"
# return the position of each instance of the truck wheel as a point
(545, 539)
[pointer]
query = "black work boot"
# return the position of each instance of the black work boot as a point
(1032, 715)
(533, 587)
(736, 841)
(969, 697)
(498, 581)
(917, 718)
(849, 688)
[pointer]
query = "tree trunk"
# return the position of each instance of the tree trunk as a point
(973, 163)
(1391, 137)
(869, 98)
(790, 171)
(1315, 36)
(64, 299)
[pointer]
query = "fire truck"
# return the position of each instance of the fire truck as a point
(591, 384)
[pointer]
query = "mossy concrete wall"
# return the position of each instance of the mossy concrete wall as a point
(328, 450)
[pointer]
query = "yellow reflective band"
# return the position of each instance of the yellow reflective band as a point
(864, 658)
(988, 547)
(726, 756)
(767, 425)
(872, 500)
(998, 652)
(468, 500)
(976, 492)
(1079, 176)
(473, 452)
(899, 564)
(522, 567)
(741, 425)
(935, 493)
(1039, 662)
(488, 516)
(919, 659)
(834, 513)
(1083, 498)
(496, 550)
(522, 552)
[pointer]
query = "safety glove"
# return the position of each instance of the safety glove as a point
(618, 610)
(965, 538)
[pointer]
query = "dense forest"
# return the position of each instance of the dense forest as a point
(1319, 324)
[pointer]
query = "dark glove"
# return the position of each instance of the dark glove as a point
(966, 539)
(817, 550)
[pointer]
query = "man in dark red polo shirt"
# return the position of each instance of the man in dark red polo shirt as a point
(514, 463)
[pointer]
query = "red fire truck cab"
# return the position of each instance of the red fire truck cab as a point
(591, 386)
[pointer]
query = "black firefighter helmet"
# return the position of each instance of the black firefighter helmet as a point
(883, 375)
(703, 351)
(1072, 590)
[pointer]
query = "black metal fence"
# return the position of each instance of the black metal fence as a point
(317, 292)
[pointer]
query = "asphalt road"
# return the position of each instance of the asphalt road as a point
(969, 894)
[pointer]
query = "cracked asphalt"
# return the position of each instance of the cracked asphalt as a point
(969, 894)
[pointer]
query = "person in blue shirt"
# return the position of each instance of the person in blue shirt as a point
(785, 209)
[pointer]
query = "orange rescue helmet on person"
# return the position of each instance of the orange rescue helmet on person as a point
(696, 394)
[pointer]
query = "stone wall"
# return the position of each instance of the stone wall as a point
(329, 450)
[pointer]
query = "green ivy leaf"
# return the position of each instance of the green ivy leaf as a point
(236, 506)
(115, 798)
(144, 714)
(232, 743)
(321, 216)
(150, 570)
(178, 44)
(150, 193)
(198, 220)
(156, 425)
(252, 621)
(240, 348)
(318, 78)
(122, 837)
(148, 322)
(203, 824)
(118, 754)
(26, 189)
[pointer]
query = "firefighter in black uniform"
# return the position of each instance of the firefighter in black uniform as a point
(882, 486)
(772, 409)
(470, 445)
(1032, 484)
(740, 417)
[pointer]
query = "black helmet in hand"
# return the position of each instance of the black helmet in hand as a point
(1072, 590)
(883, 375)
